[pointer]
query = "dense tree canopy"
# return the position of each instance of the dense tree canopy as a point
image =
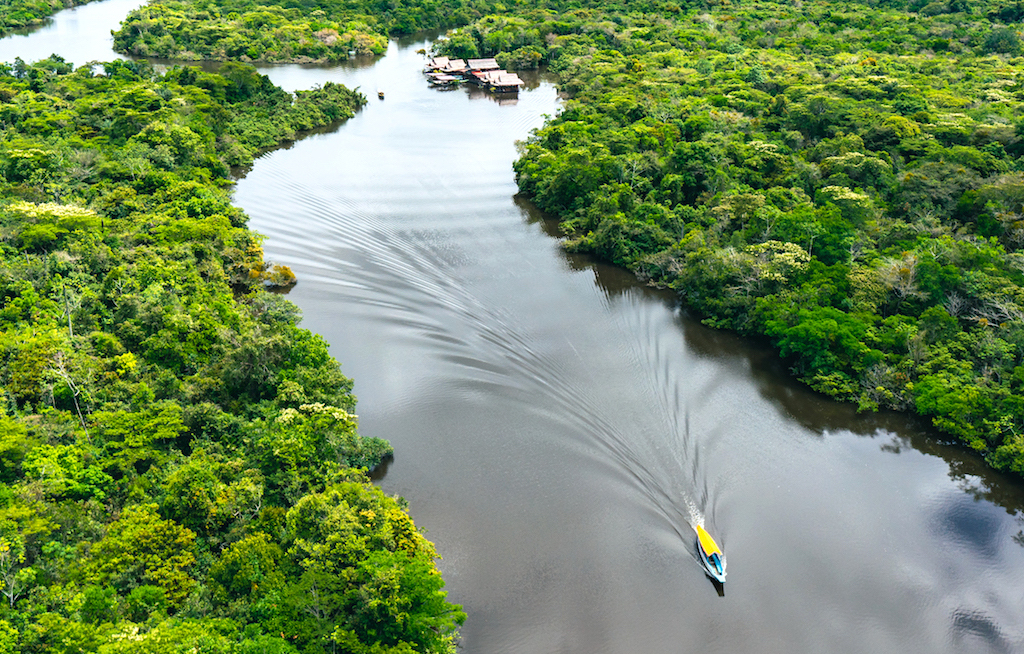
(291, 30)
(179, 463)
(844, 179)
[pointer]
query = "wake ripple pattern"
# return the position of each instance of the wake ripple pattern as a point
(411, 278)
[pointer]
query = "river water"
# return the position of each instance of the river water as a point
(559, 429)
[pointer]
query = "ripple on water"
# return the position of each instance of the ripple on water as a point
(563, 430)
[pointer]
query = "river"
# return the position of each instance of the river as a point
(559, 429)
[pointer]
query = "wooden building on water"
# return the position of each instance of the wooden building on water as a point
(435, 64)
(482, 72)
(443, 79)
(501, 81)
(477, 65)
(446, 65)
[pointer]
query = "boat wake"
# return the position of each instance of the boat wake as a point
(395, 256)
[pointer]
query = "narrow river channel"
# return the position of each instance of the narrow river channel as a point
(559, 429)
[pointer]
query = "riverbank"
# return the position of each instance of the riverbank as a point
(285, 32)
(852, 199)
(557, 425)
(166, 425)
(826, 193)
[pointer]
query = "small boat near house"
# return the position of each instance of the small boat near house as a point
(443, 79)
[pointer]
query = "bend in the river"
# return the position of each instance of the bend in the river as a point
(559, 429)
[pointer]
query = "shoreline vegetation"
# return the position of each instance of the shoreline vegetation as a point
(292, 31)
(844, 180)
(180, 463)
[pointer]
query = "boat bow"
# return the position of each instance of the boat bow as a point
(711, 554)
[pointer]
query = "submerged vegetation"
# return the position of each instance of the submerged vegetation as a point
(180, 465)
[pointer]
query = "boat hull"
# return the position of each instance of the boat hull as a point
(712, 570)
(710, 555)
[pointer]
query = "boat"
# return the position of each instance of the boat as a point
(442, 79)
(711, 555)
(380, 94)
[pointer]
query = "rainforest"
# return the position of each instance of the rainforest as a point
(176, 452)
(180, 461)
(841, 179)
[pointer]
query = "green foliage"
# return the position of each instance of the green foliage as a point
(288, 31)
(879, 146)
(8, 638)
(368, 571)
(145, 601)
(1003, 40)
(161, 413)
(140, 547)
(99, 604)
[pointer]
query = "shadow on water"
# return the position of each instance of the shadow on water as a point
(719, 586)
(356, 62)
(970, 625)
(817, 413)
(27, 30)
(480, 93)
(532, 78)
(238, 172)
(380, 471)
(419, 37)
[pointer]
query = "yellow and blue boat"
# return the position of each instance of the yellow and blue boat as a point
(711, 555)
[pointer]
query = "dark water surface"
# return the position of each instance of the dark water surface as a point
(559, 429)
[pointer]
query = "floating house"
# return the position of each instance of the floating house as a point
(503, 81)
(478, 77)
(475, 65)
(435, 64)
(446, 65)
(442, 71)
